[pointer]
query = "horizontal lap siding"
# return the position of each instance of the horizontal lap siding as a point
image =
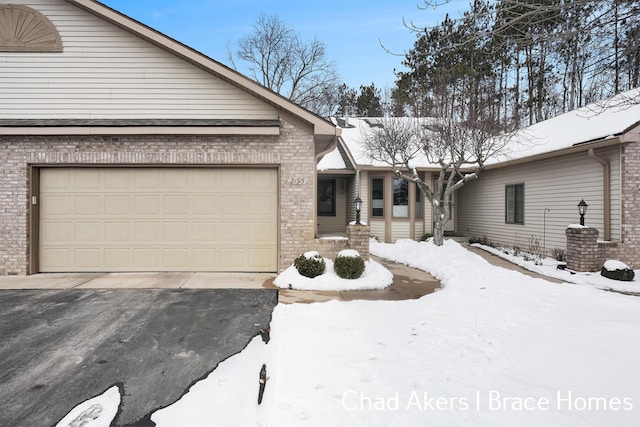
(557, 184)
(106, 72)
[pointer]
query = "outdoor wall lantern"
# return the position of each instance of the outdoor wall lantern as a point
(582, 209)
(358, 203)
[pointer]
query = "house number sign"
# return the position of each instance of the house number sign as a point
(296, 180)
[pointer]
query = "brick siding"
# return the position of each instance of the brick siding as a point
(292, 152)
(628, 250)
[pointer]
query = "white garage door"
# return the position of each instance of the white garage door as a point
(158, 219)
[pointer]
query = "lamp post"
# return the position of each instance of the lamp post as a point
(582, 210)
(358, 203)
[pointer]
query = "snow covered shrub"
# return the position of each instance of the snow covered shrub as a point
(349, 264)
(617, 270)
(310, 264)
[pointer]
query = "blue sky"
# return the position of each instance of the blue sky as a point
(351, 29)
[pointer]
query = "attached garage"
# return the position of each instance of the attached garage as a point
(158, 219)
(132, 152)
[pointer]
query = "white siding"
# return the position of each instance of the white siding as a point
(377, 229)
(400, 230)
(557, 184)
(105, 72)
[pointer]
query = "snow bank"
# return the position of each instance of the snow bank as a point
(96, 412)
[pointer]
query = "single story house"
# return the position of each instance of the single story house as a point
(125, 150)
(532, 189)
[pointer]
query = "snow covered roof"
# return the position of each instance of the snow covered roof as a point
(351, 139)
(593, 123)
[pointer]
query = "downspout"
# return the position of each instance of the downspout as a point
(606, 192)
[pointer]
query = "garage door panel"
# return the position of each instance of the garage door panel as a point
(117, 205)
(117, 258)
(204, 205)
(231, 232)
(173, 219)
(117, 181)
(147, 205)
(147, 232)
(88, 232)
(261, 231)
(147, 258)
(176, 205)
(176, 259)
(88, 205)
(147, 179)
(262, 256)
(56, 205)
(88, 258)
(117, 232)
(56, 232)
(206, 231)
(176, 231)
(88, 180)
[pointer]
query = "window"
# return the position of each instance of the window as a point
(514, 204)
(400, 198)
(377, 197)
(419, 208)
(326, 197)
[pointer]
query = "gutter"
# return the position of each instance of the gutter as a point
(606, 191)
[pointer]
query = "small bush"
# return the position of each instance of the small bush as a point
(481, 240)
(619, 271)
(558, 254)
(310, 264)
(348, 267)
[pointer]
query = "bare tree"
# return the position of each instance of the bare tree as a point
(276, 56)
(459, 151)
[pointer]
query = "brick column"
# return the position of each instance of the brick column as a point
(582, 249)
(359, 239)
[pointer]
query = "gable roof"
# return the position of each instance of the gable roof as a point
(323, 130)
(601, 123)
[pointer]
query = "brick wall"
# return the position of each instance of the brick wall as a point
(359, 239)
(629, 249)
(329, 248)
(292, 151)
(582, 249)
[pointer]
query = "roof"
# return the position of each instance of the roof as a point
(578, 129)
(324, 130)
(591, 124)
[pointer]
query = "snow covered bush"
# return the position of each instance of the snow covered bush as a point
(349, 264)
(617, 270)
(310, 264)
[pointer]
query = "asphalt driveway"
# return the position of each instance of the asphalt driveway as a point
(59, 348)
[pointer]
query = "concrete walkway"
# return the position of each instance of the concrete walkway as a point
(501, 262)
(137, 281)
(408, 283)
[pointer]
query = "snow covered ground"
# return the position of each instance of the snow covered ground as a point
(492, 348)
(375, 276)
(549, 268)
